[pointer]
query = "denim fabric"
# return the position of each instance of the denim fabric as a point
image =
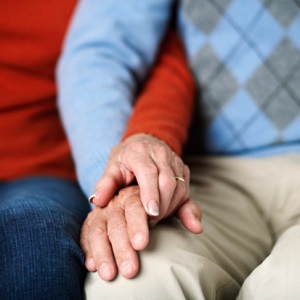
(40, 256)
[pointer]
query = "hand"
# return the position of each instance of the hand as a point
(154, 165)
(111, 236)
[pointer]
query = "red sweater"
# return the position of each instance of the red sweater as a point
(165, 106)
(32, 140)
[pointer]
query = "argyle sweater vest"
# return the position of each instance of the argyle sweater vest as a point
(245, 56)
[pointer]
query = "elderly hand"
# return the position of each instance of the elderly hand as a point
(155, 167)
(111, 236)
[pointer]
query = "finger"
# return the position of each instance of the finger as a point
(85, 246)
(190, 216)
(167, 183)
(181, 193)
(159, 181)
(125, 256)
(146, 174)
(136, 218)
(101, 249)
(114, 177)
(187, 179)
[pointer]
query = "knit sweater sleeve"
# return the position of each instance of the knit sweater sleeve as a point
(165, 105)
(109, 50)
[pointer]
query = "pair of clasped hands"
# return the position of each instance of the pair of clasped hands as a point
(118, 226)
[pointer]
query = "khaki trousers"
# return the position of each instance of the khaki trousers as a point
(250, 247)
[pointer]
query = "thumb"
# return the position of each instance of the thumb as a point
(190, 216)
(111, 181)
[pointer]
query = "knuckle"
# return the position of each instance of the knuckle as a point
(163, 149)
(131, 192)
(163, 152)
(181, 191)
(186, 170)
(177, 159)
(138, 147)
(133, 207)
(123, 251)
(123, 192)
(116, 228)
(96, 232)
(167, 182)
(151, 169)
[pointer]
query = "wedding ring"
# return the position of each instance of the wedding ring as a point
(179, 179)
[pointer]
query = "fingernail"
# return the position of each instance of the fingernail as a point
(104, 271)
(153, 208)
(91, 198)
(126, 268)
(90, 264)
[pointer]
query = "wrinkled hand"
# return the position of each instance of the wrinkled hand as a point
(153, 164)
(111, 236)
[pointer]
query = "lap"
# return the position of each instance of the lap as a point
(44, 191)
(277, 277)
(171, 267)
(180, 265)
(243, 216)
(40, 221)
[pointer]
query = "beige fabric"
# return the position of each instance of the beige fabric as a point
(277, 278)
(247, 205)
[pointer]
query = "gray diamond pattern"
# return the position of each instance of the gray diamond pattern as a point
(282, 115)
(294, 83)
(203, 14)
(261, 85)
(222, 87)
(223, 3)
(206, 63)
(274, 86)
(284, 58)
(284, 11)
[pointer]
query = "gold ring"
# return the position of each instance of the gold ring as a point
(179, 179)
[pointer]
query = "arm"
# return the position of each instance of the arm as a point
(108, 52)
(163, 111)
(97, 85)
(111, 236)
(165, 106)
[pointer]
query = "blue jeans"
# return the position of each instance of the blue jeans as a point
(40, 255)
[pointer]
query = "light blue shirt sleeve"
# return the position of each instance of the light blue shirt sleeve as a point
(109, 49)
